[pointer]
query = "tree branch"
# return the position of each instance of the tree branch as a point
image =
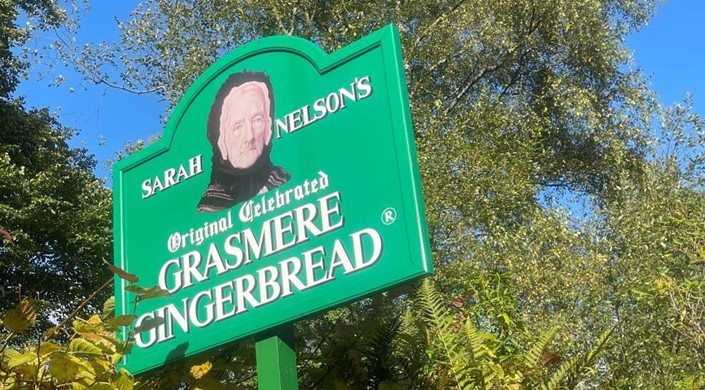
(55, 329)
(438, 20)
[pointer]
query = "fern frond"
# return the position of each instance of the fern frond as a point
(566, 367)
(601, 342)
(531, 358)
(448, 341)
(478, 353)
(381, 350)
(474, 340)
(432, 307)
(578, 363)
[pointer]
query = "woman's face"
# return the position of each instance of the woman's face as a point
(245, 125)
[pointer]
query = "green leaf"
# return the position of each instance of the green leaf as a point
(147, 293)
(122, 273)
(125, 320)
(133, 288)
(154, 292)
(149, 324)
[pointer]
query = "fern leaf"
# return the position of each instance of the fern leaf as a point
(439, 321)
(474, 340)
(601, 342)
(578, 363)
(533, 355)
(432, 307)
(566, 367)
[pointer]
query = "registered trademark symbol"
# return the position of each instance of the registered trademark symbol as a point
(389, 215)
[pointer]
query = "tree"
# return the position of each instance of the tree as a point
(54, 234)
(656, 238)
(518, 105)
(39, 14)
(54, 213)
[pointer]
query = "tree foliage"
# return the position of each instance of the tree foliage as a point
(54, 213)
(38, 14)
(520, 107)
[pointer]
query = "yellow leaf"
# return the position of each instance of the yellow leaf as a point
(115, 358)
(109, 307)
(94, 320)
(63, 368)
(21, 317)
(78, 386)
(51, 332)
(200, 370)
(20, 359)
(101, 386)
(98, 365)
(83, 346)
(123, 381)
(82, 326)
(47, 348)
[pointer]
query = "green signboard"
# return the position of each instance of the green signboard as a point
(286, 183)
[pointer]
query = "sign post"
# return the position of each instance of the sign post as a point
(286, 184)
(276, 359)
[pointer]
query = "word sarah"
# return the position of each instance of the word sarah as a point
(172, 177)
(271, 201)
(335, 101)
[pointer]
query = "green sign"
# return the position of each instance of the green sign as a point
(286, 184)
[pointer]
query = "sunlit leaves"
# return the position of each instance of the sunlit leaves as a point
(198, 371)
(88, 360)
(517, 106)
(21, 317)
(65, 367)
(49, 197)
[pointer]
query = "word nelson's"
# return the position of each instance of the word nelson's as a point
(235, 296)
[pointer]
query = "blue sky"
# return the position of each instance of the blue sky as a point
(670, 51)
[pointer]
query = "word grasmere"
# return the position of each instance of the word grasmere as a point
(335, 101)
(292, 274)
(272, 200)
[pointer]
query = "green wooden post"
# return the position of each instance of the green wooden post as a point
(276, 359)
